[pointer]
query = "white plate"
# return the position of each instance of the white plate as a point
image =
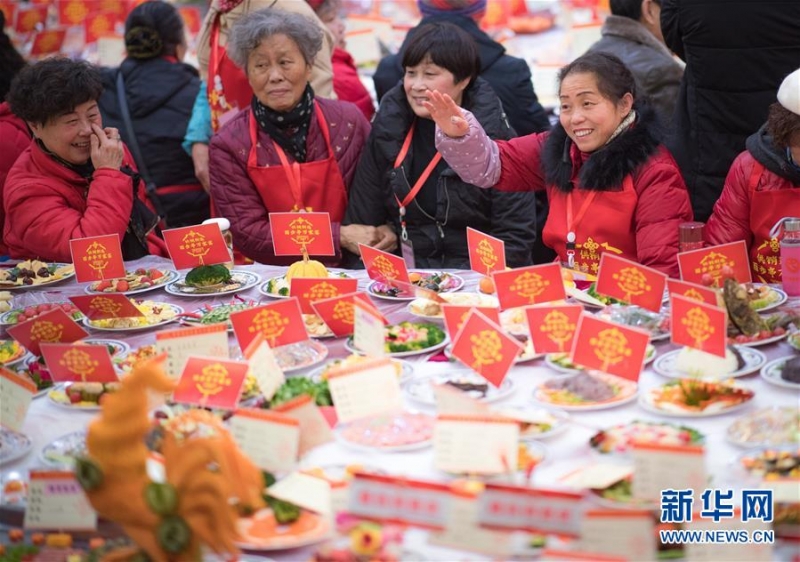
(246, 278)
(202, 311)
(549, 360)
(13, 445)
(753, 361)
(22, 356)
(121, 348)
(350, 346)
(169, 276)
(263, 287)
(176, 308)
(339, 429)
(559, 420)
(628, 395)
(421, 390)
(282, 540)
(57, 452)
(72, 408)
(585, 298)
(407, 371)
(371, 287)
(782, 298)
(39, 285)
(771, 372)
(646, 403)
(794, 339)
(766, 341)
(765, 427)
(312, 352)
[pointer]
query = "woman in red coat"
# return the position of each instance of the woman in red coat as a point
(611, 184)
(763, 186)
(77, 179)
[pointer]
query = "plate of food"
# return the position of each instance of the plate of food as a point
(784, 371)
(11, 353)
(619, 495)
(403, 369)
(211, 280)
(767, 426)
(296, 386)
(62, 452)
(656, 323)
(408, 338)
(770, 463)
(316, 328)
(155, 314)
(437, 281)
(13, 445)
(81, 396)
(536, 423)
(432, 310)
(300, 355)
(695, 398)
(585, 391)
(35, 370)
(474, 385)
(278, 287)
(262, 531)
(19, 315)
(138, 281)
(763, 297)
(129, 361)
(561, 362)
(688, 362)
(215, 314)
(32, 274)
(620, 438)
(589, 297)
(388, 433)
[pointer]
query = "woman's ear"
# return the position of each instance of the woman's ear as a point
(35, 128)
(626, 103)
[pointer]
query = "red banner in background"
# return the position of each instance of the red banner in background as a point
(100, 25)
(27, 20)
(48, 42)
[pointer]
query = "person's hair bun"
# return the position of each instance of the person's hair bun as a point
(143, 42)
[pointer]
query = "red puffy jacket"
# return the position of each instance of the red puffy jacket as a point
(348, 85)
(14, 139)
(48, 204)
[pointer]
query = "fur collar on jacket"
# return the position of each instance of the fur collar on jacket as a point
(604, 169)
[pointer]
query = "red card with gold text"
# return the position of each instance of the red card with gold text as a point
(79, 362)
(383, 266)
(524, 286)
(630, 282)
(308, 290)
(55, 326)
(710, 261)
(28, 19)
(692, 291)
(456, 314)
(110, 305)
(483, 347)
(292, 232)
(192, 246)
(98, 25)
(609, 347)
(552, 327)
(211, 382)
(486, 253)
(48, 41)
(698, 325)
(97, 258)
(280, 322)
(338, 314)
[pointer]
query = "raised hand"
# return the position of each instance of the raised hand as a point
(106, 148)
(446, 114)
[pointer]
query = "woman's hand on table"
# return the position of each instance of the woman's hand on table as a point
(379, 237)
(446, 114)
(106, 146)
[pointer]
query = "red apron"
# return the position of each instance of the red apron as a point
(228, 88)
(766, 208)
(313, 186)
(602, 221)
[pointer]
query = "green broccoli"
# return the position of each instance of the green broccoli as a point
(207, 275)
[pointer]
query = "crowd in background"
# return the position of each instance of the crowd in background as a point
(683, 110)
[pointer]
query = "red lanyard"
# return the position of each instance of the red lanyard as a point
(420, 181)
(572, 224)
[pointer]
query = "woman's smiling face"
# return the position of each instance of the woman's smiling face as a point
(425, 76)
(588, 117)
(69, 136)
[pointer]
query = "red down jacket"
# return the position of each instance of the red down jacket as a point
(14, 139)
(347, 84)
(47, 205)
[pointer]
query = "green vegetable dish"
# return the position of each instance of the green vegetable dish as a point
(592, 292)
(298, 386)
(411, 336)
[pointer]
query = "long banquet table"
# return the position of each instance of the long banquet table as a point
(565, 452)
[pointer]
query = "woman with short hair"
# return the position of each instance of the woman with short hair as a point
(289, 151)
(77, 179)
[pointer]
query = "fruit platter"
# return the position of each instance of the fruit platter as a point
(438, 282)
(408, 338)
(34, 273)
(695, 398)
(19, 315)
(619, 438)
(137, 281)
(207, 280)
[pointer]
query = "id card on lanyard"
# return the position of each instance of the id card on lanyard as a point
(405, 242)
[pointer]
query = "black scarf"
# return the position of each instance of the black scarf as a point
(289, 129)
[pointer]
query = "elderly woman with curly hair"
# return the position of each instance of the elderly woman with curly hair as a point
(289, 151)
(77, 179)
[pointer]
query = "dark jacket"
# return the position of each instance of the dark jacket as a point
(160, 95)
(509, 76)
(441, 243)
(657, 73)
(737, 54)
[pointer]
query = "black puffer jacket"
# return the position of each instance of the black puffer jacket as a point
(737, 54)
(160, 95)
(440, 243)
